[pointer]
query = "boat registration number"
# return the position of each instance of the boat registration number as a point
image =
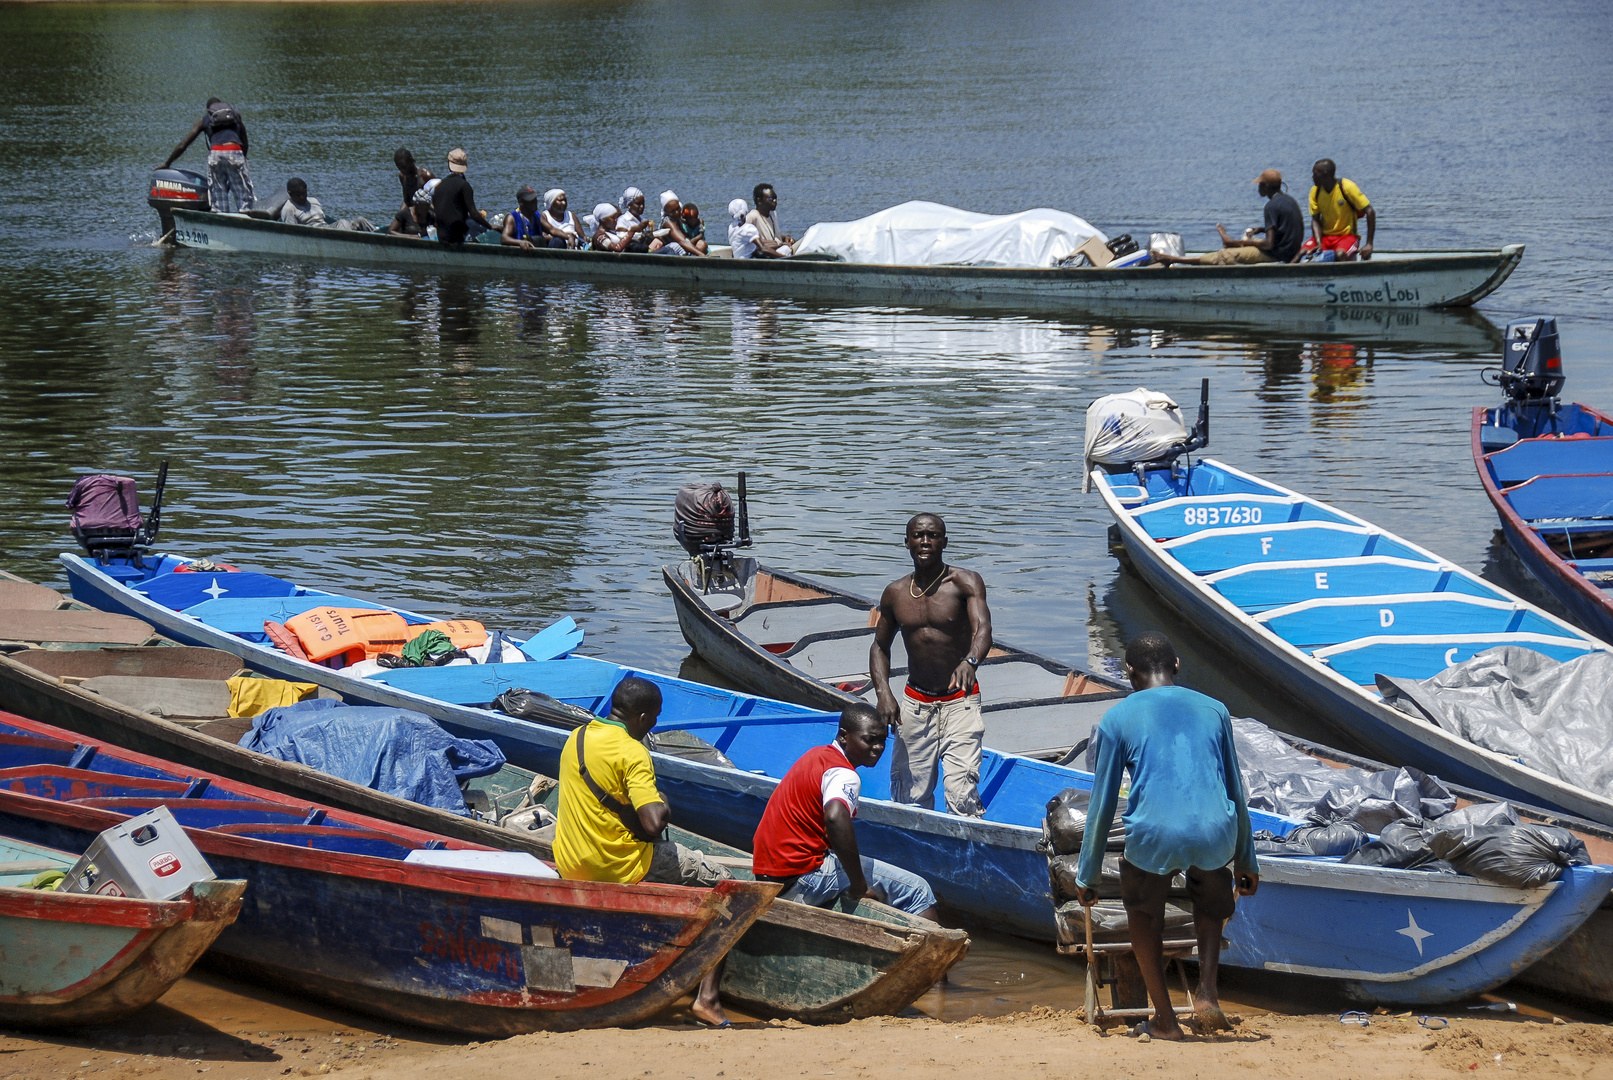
(1221, 515)
(193, 237)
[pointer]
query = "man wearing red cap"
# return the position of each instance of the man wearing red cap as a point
(1284, 232)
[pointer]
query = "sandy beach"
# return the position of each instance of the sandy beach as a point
(213, 1028)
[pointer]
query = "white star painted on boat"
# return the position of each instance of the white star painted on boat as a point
(1415, 932)
(215, 591)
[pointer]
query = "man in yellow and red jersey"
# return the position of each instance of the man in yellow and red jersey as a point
(1336, 206)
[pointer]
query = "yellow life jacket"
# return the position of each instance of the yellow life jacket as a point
(363, 634)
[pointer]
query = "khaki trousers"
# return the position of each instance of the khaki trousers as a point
(943, 733)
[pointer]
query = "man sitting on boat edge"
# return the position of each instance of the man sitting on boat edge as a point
(805, 840)
(1337, 205)
(1186, 813)
(1284, 232)
(613, 818)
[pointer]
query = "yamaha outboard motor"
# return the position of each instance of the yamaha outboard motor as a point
(1531, 377)
(176, 189)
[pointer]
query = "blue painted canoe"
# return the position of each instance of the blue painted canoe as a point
(340, 909)
(1552, 487)
(1392, 936)
(70, 959)
(1319, 602)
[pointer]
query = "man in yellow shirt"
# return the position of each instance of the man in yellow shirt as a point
(1336, 205)
(613, 817)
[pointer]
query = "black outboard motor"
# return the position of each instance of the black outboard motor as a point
(703, 522)
(177, 189)
(1532, 361)
(1531, 377)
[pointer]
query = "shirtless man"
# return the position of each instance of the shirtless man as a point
(941, 612)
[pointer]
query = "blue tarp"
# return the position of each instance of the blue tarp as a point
(394, 751)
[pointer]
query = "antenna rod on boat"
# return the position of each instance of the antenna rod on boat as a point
(1201, 430)
(744, 514)
(154, 519)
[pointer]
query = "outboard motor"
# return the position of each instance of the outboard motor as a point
(703, 522)
(106, 517)
(176, 189)
(1531, 377)
(1142, 430)
(1532, 361)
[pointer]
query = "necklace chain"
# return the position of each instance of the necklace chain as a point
(921, 594)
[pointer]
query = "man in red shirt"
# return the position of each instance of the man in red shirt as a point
(805, 840)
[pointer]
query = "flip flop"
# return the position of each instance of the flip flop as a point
(714, 1027)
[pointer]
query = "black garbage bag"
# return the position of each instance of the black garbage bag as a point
(1519, 856)
(1383, 797)
(540, 708)
(1400, 845)
(1061, 874)
(684, 745)
(1334, 838)
(1065, 825)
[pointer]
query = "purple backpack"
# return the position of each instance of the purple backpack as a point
(104, 504)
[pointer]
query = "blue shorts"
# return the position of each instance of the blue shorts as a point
(903, 891)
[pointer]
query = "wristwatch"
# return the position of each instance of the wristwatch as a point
(971, 661)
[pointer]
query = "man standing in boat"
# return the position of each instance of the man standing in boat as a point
(946, 627)
(229, 181)
(1186, 813)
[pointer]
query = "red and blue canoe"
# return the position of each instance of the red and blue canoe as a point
(334, 911)
(1549, 474)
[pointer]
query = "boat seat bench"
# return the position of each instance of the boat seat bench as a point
(1547, 457)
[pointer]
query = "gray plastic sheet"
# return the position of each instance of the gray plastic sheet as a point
(394, 751)
(1286, 781)
(1552, 716)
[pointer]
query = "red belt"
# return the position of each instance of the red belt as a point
(228, 146)
(938, 699)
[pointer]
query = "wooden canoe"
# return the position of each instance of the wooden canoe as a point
(798, 962)
(788, 637)
(1396, 280)
(68, 960)
(876, 961)
(1552, 488)
(387, 920)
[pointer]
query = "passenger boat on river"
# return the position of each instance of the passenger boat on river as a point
(1408, 279)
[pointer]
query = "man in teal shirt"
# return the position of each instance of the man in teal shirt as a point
(1186, 812)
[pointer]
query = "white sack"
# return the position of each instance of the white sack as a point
(929, 234)
(1124, 428)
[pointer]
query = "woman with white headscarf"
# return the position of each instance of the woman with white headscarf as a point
(605, 222)
(559, 225)
(677, 241)
(741, 233)
(640, 233)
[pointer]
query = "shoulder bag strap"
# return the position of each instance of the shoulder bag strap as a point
(629, 817)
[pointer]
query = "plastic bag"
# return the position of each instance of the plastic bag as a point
(1518, 856)
(1400, 845)
(1127, 428)
(1335, 838)
(526, 704)
(1384, 797)
(1065, 824)
(1165, 243)
(682, 744)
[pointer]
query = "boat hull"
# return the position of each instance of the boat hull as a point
(796, 962)
(991, 870)
(1355, 716)
(69, 960)
(1413, 280)
(1586, 604)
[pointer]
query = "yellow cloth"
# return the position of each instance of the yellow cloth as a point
(1339, 208)
(590, 842)
(249, 696)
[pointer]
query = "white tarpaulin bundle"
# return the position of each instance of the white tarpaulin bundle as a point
(1126, 428)
(929, 234)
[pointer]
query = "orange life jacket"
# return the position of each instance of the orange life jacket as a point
(362, 634)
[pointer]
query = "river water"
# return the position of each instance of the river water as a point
(510, 451)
